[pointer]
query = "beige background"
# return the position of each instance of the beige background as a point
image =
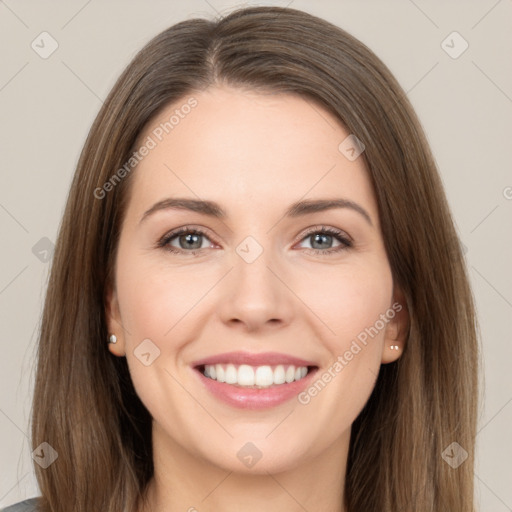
(48, 105)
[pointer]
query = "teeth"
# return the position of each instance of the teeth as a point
(290, 374)
(254, 376)
(231, 374)
(245, 375)
(279, 376)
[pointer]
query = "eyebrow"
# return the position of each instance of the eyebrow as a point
(297, 209)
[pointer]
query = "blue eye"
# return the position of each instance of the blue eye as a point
(187, 238)
(325, 236)
(190, 241)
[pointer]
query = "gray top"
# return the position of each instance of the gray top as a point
(23, 506)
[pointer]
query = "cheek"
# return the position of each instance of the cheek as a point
(154, 297)
(349, 299)
(350, 303)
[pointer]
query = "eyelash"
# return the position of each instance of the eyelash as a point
(346, 243)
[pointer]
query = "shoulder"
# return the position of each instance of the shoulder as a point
(23, 506)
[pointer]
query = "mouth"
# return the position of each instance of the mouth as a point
(254, 381)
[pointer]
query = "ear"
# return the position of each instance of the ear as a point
(114, 324)
(397, 328)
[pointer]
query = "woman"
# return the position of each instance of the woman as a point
(194, 353)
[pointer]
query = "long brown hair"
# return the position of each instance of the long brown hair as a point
(85, 405)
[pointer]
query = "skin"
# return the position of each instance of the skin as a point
(238, 148)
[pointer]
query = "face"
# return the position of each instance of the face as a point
(231, 262)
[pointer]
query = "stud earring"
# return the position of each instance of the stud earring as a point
(112, 338)
(394, 347)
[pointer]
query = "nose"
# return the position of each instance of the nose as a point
(255, 295)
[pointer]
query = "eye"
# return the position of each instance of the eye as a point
(185, 240)
(191, 241)
(322, 238)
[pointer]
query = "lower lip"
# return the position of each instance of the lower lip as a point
(252, 398)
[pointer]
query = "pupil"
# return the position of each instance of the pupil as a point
(192, 238)
(321, 236)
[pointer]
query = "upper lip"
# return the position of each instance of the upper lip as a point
(253, 359)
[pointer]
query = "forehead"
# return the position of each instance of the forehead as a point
(248, 148)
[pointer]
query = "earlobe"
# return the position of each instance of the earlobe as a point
(115, 335)
(392, 351)
(114, 346)
(396, 330)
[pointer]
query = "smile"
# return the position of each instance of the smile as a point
(257, 377)
(254, 381)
